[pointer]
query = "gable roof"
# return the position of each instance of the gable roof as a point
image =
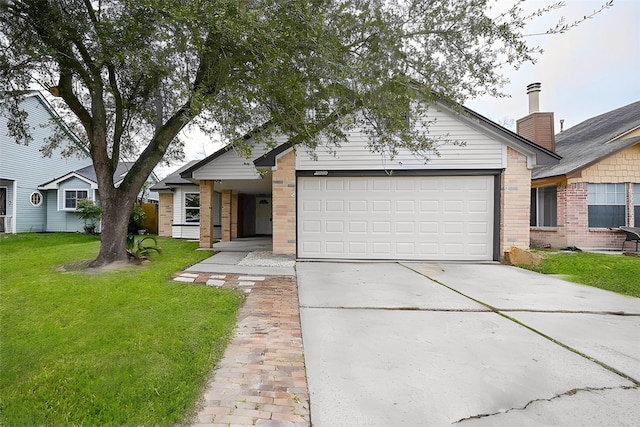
(88, 174)
(592, 140)
(542, 155)
(174, 179)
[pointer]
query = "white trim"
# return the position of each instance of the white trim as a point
(63, 198)
(15, 207)
(35, 205)
(184, 206)
(55, 184)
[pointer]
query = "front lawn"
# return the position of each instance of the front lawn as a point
(615, 273)
(122, 347)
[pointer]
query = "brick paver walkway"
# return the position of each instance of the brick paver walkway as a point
(261, 379)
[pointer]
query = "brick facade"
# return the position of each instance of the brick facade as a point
(514, 203)
(165, 214)
(573, 217)
(226, 215)
(206, 214)
(284, 205)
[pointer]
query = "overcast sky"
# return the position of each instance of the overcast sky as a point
(592, 69)
(587, 71)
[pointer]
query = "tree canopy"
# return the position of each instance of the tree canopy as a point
(135, 72)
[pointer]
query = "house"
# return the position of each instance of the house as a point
(39, 193)
(595, 188)
(23, 168)
(469, 203)
(62, 195)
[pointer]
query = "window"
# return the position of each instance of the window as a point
(71, 198)
(35, 198)
(606, 205)
(636, 203)
(544, 207)
(192, 207)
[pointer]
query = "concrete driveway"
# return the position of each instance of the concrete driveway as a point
(427, 344)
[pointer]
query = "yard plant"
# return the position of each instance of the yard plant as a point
(615, 273)
(124, 346)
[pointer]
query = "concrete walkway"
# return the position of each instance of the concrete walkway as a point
(427, 344)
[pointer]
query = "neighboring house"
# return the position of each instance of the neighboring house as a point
(23, 206)
(31, 197)
(595, 188)
(62, 195)
(179, 207)
(469, 203)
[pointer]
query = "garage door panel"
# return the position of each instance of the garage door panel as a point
(438, 218)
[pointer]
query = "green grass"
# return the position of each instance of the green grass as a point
(615, 273)
(122, 347)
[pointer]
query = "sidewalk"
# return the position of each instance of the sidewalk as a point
(261, 379)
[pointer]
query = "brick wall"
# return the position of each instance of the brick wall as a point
(226, 215)
(234, 216)
(573, 215)
(515, 201)
(284, 205)
(165, 214)
(206, 214)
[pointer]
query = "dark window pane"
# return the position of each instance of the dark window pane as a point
(70, 199)
(192, 200)
(636, 212)
(606, 216)
(549, 206)
(534, 208)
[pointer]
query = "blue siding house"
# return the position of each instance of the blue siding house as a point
(23, 168)
(39, 193)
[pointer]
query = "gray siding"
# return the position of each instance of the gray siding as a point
(480, 151)
(230, 165)
(27, 166)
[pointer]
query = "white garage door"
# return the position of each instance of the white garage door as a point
(409, 218)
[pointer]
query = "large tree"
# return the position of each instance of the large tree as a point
(135, 72)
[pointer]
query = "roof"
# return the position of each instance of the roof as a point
(174, 179)
(88, 174)
(592, 140)
(543, 156)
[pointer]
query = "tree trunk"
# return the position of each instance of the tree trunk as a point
(116, 209)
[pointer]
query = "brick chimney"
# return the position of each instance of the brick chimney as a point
(537, 126)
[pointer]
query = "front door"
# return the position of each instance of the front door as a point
(3, 209)
(263, 216)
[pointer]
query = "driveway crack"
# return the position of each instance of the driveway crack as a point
(557, 396)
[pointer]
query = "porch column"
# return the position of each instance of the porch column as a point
(206, 214)
(226, 215)
(234, 216)
(284, 205)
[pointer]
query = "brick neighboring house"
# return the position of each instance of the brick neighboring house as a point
(469, 202)
(595, 187)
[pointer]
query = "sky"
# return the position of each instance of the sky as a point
(589, 70)
(592, 69)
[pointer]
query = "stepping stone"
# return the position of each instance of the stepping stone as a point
(184, 279)
(214, 282)
(246, 283)
(189, 275)
(247, 290)
(252, 278)
(218, 276)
